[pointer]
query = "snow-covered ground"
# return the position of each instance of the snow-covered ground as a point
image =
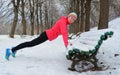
(49, 58)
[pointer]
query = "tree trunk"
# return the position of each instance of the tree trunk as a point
(40, 9)
(23, 18)
(82, 16)
(37, 18)
(87, 15)
(16, 6)
(77, 22)
(46, 16)
(32, 16)
(104, 14)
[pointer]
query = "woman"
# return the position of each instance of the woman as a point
(59, 28)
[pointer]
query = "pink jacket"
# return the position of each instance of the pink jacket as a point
(59, 28)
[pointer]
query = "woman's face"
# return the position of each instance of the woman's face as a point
(71, 19)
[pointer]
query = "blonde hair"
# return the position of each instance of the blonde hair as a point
(72, 14)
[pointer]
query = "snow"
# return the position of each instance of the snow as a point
(49, 58)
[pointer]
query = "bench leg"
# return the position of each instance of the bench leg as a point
(74, 62)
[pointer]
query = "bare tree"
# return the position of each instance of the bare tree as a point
(31, 5)
(23, 17)
(40, 14)
(104, 14)
(37, 16)
(16, 6)
(82, 16)
(87, 15)
(46, 16)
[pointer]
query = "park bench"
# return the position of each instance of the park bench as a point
(77, 55)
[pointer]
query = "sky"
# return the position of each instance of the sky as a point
(49, 58)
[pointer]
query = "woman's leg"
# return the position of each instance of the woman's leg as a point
(42, 38)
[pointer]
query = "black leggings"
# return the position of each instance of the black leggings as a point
(42, 38)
